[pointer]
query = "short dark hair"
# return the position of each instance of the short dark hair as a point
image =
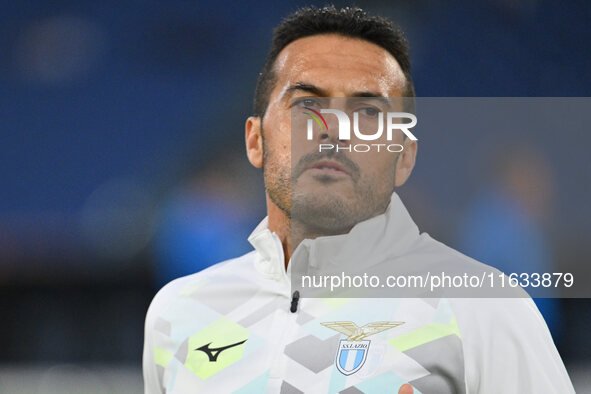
(348, 22)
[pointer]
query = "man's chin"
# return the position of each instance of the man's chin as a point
(325, 212)
(322, 200)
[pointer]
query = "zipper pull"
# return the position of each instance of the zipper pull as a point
(294, 301)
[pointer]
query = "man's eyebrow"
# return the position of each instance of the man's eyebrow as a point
(315, 90)
(305, 87)
(373, 95)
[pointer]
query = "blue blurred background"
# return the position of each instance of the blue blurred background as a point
(123, 164)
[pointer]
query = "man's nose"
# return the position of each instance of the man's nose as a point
(337, 126)
(332, 133)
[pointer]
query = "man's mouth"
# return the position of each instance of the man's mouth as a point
(329, 167)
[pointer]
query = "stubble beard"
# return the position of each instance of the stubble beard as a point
(315, 214)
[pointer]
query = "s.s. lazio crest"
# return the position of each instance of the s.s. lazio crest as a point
(353, 351)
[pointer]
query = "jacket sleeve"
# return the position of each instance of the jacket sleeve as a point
(152, 384)
(508, 348)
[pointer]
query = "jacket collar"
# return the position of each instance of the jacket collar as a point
(389, 234)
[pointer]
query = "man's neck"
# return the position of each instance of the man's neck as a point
(291, 233)
(280, 224)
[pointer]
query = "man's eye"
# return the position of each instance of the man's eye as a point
(369, 111)
(306, 102)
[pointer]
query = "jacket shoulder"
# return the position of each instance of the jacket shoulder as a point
(185, 284)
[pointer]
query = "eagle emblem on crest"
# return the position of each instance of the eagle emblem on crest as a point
(356, 333)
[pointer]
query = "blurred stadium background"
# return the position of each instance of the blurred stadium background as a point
(122, 160)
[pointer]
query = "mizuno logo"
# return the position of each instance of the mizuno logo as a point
(213, 353)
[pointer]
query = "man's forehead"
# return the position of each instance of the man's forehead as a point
(339, 63)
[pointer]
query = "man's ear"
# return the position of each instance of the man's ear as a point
(254, 141)
(406, 162)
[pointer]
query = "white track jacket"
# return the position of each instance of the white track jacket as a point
(230, 329)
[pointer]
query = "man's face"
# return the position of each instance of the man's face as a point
(328, 191)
